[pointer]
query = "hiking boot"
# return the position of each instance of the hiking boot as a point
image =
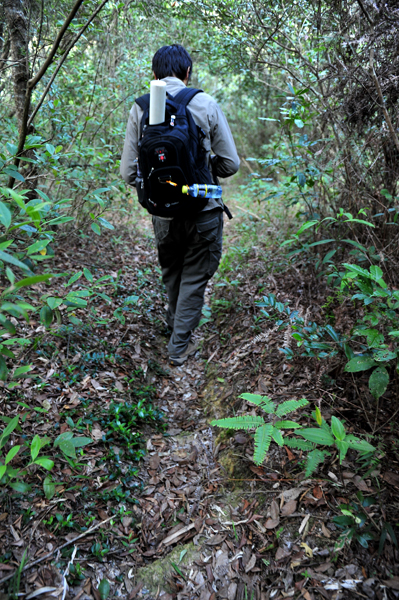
(191, 349)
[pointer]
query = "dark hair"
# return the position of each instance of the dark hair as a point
(172, 61)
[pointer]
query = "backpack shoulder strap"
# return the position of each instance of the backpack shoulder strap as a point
(186, 95)
(143, 102)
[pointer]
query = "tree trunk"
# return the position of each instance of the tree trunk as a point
(18, 35)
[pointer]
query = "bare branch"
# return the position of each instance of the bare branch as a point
(71, 45)
(35, 80)
(384, 109)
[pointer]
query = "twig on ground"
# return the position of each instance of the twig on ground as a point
(39, 560)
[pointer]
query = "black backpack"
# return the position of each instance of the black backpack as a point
(171, 155)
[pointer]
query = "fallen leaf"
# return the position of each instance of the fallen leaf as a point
(272, 523)
(392, 583)
(317, 492)
(215, 540)
(281, 553)
(155, 461)
(274, 510)
(251, 563)
(289, 508)
(308, 550)
(325, 531)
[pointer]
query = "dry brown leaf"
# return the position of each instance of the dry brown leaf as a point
(282, 553)
(317, 492)
(251, 563)
(392, 583)
(289, 508)
(274, 510)
(325, 531)
(272, 523)
(215, 540)
(155, 461)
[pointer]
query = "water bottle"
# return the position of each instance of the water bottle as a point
(202, 190)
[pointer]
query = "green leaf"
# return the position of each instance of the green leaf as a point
(35, 447)
(263, 401)
(20, 486)
(3, 469)
(244, 422)
(11, 454)
(337, 428)
(358, 270)
(298, 444)
(5, 215)
(286, 425)
(54, 303)
(359, 363)
(317, 436)
(105, 223)
(263, 436)
(104, 589)
(67, 447)
(96, 228)
(67, 435)
(343, 448)
(5, 257)
(290, 406)
(46, 315)
(313, 460)
(79, 442)
(22, 370)
(3, 369)
(88, 275)
(37, 247)
(277, 436)
(32, 280)
(48, 488)
(44, 462)
(359, 445)
(306, 225)
(378, 382)
(9, 429)
(375, 272)
(299, 123)
(74, 278)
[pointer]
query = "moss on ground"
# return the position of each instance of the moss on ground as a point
(155, 576)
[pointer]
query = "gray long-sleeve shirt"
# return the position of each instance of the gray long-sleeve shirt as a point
(208, 115)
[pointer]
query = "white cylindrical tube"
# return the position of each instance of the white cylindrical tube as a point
(157, 102)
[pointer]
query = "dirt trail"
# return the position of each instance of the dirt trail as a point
(207, 524)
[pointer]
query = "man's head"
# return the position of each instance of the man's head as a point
(172, 61)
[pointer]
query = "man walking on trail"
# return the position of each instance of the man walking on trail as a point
(189, 248)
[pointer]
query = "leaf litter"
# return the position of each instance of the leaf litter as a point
(166, 480)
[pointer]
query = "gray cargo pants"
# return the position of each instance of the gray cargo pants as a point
(189, 252)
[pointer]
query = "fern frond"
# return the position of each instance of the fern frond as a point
(263, 401)
(277, 436)
(286, 425)
(263, 437)
(313, 460)
(290, 406)
(298, 444)
(244, 422)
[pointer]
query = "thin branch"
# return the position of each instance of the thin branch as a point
(364, 11)
(46, 556)
(35, 80)
(71, 45)
(386, 114)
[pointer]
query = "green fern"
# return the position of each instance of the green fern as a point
(244, 422)
(263, 437)
(314, 458)
(298, 444)
(263, 401)
(286, 425)
(277, 436)
(290, 406)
